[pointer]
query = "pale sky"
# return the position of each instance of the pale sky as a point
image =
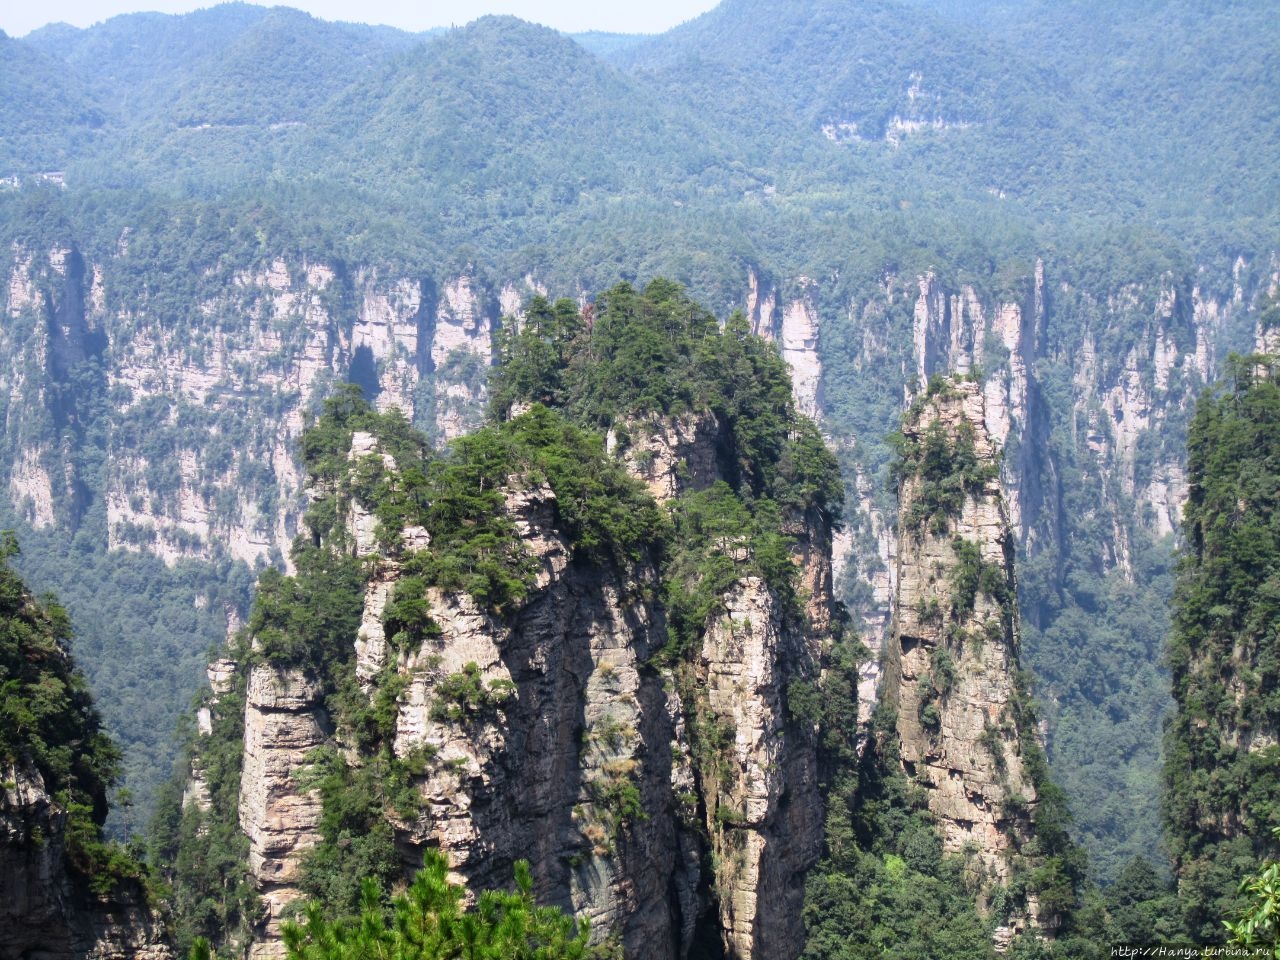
(571, 16)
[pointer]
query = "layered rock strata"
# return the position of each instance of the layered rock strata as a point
(953, 660)
(284, 722)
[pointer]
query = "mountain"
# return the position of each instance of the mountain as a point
(46, 115)
(1073, 110)
(267, 63)
(181, 307)
(617, 680)
(64, 892)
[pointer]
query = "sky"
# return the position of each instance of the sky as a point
(570, 16)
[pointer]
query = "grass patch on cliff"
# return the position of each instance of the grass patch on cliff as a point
(944, 465)
(51, 732)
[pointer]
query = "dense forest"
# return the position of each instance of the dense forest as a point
(206, 218)
(51, 726)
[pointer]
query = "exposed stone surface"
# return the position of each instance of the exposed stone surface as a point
(764, 814)
(461, 348)
(795, 331)
(46, 911)
(283, 723)
(950, 672)
(1121, 397)
(267, 343)
(576, 719)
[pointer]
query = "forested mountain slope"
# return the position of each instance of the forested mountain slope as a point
(45, 114)
(1077, 109)
(1221, 775)
(219, 259)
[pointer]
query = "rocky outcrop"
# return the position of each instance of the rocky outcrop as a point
(1126, 402)
(952, 664)
(764, 814)
(670, 454)
(47, 910)
(200, 451)
(573, 724)
(283, 723)
(461, 352)
(795, 331)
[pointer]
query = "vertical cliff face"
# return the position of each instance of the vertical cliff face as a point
(794, 326)
(567, 762)
(284, 722)
(764, 814)
(1087, 387)
(671, 798)
(951, 669)
(1136, 358)
(46, 910)
(614, 823)
(207, 387)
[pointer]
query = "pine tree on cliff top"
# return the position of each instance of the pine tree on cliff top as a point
(1222, 767)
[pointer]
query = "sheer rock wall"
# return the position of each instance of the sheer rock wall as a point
(46, 910)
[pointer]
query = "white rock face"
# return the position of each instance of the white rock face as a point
(227, 388)
(798, 343)
(284, 723)
(31, 489)
(953, 658)
(796, 334)
(461, 346)
(1123, 398)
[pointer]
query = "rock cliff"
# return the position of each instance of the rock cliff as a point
(952, 665)
(284, 722)
(175, 410)
(48, 910)
(205, 413)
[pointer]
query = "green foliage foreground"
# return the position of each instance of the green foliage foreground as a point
(1222, 770)
(49, 726)
(1258, 925)
(430, 921)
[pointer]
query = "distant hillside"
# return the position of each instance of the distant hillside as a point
(45, 115)
(1075, 201)
(1071, 107)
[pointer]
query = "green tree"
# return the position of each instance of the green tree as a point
(1258, 925)
(430, 922)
